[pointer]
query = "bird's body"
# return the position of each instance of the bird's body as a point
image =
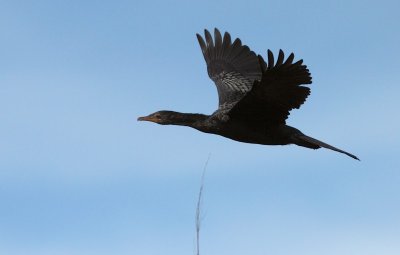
(246, 132)
(255, 97)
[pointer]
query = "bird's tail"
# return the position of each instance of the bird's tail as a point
(309, 142)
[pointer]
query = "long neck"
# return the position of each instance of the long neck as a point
(188, 119)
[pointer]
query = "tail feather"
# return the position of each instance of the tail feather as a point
(313, 143)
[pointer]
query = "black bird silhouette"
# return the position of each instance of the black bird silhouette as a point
(255, 97)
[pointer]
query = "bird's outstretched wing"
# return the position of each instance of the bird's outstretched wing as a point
(279, 91)
(232, 66)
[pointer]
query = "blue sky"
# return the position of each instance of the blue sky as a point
(79, 174)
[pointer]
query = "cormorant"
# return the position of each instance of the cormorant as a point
(255, 96)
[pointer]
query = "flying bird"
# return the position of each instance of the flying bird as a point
(255, 96)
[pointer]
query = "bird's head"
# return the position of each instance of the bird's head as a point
(175, 118)
(162, 117)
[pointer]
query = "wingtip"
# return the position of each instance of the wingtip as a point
(262, 63)
(201, 42)
(271, 61)
(227, 39)
(216, 31)
(281, 56)
(209, 39)
(217, 38)
(289, 60)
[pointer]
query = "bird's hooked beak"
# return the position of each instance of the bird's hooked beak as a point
(148, 118)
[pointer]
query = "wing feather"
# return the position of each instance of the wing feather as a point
(281, 56)
(232, 66)
(278, 92)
